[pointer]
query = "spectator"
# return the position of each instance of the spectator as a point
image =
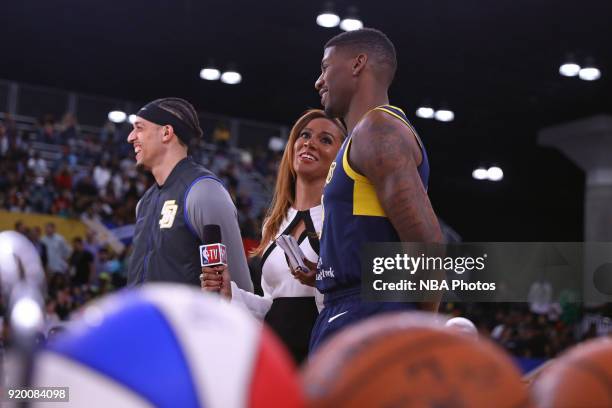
(109, 264)
(47, 132)
(58, 250)
(68, 128)
(35, 237)
(63, 178)
(40, 195)
(85, 194)
(81, 263)
(38, 165)
(62, 205)
(20, 227)
(221, 135)
(101, 175)
(4, 141)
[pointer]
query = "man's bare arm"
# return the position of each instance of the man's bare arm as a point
(384, 151)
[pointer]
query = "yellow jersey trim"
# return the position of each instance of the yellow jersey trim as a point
(347, 167)
(365, 200)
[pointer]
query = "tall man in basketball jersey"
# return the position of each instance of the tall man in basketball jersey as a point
(376, 189)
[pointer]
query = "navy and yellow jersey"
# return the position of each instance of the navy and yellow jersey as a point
(353, 216)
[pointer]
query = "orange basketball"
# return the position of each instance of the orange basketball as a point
(410, 360)
(581, 377)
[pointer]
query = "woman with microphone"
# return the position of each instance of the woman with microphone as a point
(287, 305)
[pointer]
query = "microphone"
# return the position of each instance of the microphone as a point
(213, 252)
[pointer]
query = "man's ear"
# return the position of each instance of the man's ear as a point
(168, 132)
(359, 64)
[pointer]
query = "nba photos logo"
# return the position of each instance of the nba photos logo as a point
(213, 255)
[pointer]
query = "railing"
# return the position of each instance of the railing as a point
(27, 102)
(253, 133)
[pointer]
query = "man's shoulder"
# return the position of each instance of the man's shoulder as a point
(382, 140)
(376, 123)
(206, 189)
(195, 171)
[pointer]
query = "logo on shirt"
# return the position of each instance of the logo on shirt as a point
(168, 213)
(330, 173)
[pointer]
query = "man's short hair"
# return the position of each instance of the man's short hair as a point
(374, 43)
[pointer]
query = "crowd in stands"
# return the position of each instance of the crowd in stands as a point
(95, 175)
(95, 178)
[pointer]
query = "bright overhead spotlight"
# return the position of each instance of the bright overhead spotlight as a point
(117, 116)
(494, 173)
(569, 69)
(589, 71)
(132, 118)
(425, 112)
(351, 22)
(589, 74)
(210, 74)
(328, 18)
(480, 174)
(444, 115)
(231, 77)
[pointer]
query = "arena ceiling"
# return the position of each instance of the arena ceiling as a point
(494, 63)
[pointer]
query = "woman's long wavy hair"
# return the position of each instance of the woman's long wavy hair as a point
(284, 192)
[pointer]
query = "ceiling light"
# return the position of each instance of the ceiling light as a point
(328, 18)
(444, 115)
(231, 77)
(132, 118)
(210, 74)
(589, 73)
(425, 112)
(117, 116)
(494, 173)
(569, 69)
(351, 22)
(480, 173)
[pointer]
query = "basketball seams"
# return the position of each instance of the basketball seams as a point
(234, 356)
(431, 341)
(382, 363)
(52, 359)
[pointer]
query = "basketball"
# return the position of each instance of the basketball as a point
(581, 377)
(462, 325)
(168, 346)
(407, 361)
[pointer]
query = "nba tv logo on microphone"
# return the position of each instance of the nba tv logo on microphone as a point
(213, 255)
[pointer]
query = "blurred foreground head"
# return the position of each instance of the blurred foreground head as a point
(410, 359)
(19, 262)
(22, 284)
(168, 345)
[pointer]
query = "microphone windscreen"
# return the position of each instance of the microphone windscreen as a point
(212, 234)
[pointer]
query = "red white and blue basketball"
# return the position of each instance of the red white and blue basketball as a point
(168, 346)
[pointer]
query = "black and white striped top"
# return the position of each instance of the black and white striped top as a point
(276, 278)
